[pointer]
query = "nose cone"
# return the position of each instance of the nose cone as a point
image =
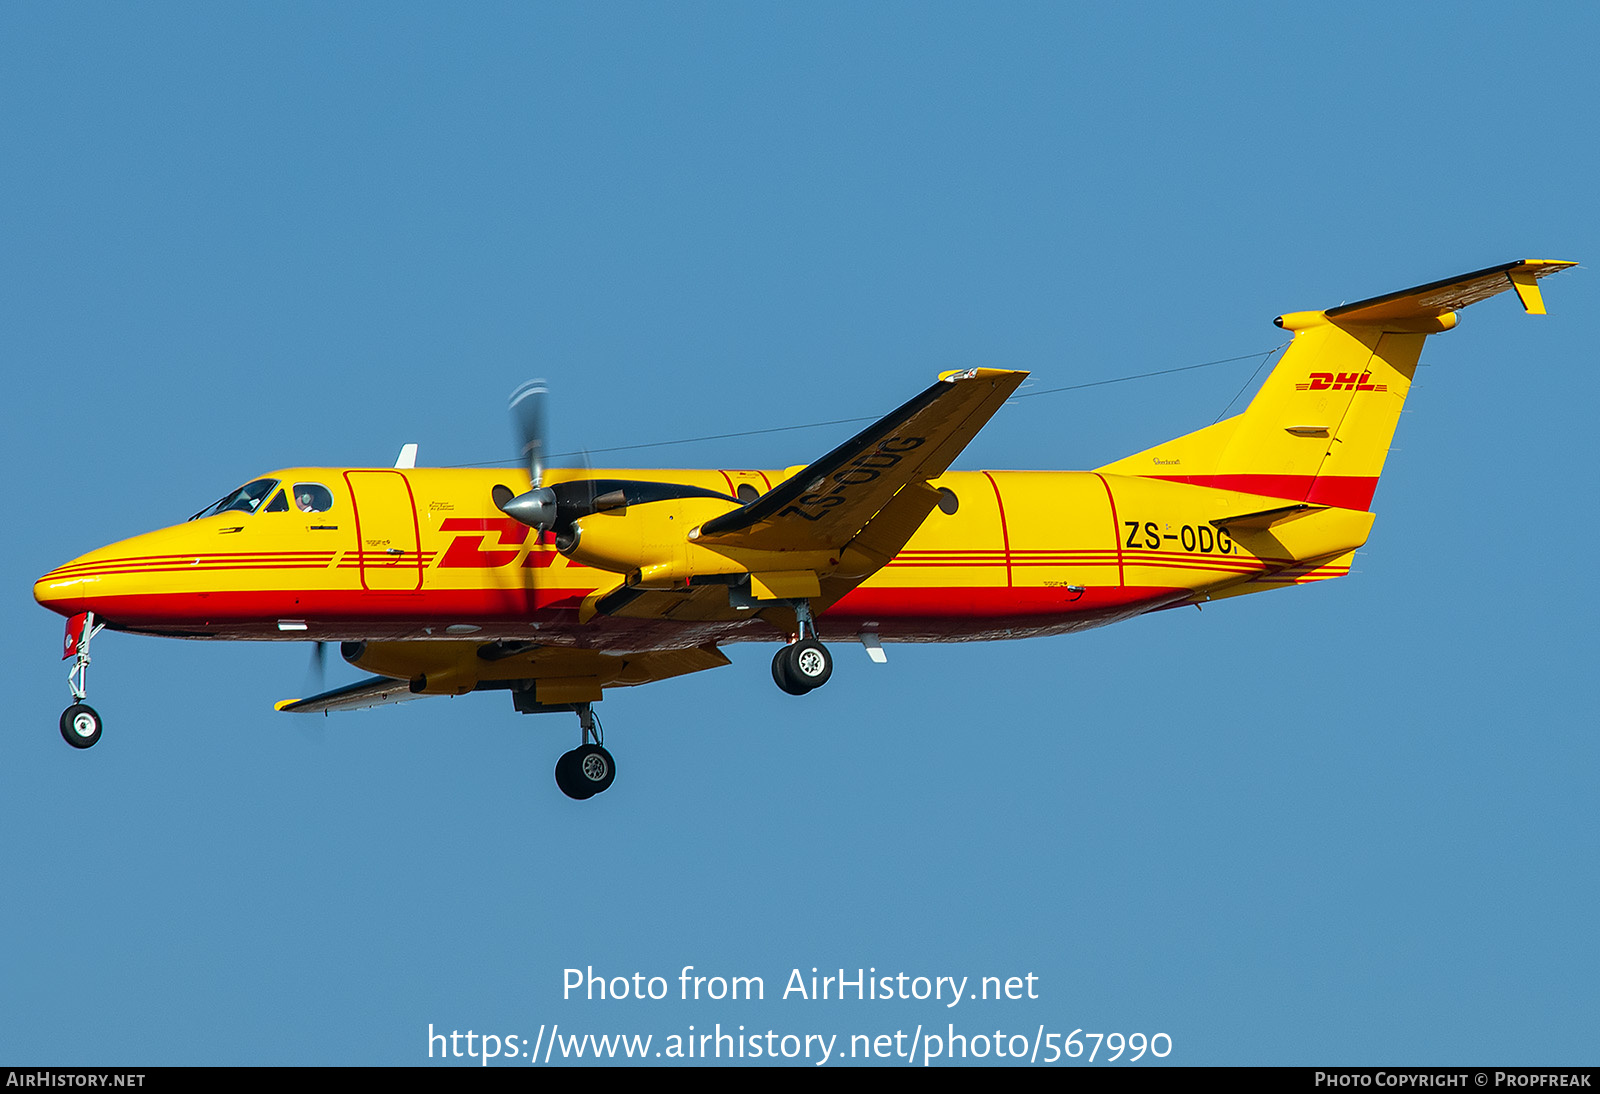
(112, 580)
(79, 585)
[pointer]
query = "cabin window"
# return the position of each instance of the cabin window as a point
(312, 497)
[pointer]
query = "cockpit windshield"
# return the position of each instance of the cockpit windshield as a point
(246, 499)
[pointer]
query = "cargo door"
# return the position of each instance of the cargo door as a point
(387, 538)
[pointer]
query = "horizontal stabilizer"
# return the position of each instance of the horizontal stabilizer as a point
(374, 691)
(1266, 518)
(1454, 293)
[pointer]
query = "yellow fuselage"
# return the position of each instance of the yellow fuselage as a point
(424, 553)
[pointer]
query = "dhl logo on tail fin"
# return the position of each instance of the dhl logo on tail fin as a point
(1344, 381)
(1320, 427)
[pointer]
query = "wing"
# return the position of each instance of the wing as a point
(829, 526)
(543, 675)
(829, 503)
(374, 691)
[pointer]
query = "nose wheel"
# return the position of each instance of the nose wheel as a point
(80, 725)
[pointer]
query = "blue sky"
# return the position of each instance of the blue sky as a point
(1347, 823)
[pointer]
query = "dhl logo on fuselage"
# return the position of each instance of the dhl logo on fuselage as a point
(1344, 381)
(468, 551)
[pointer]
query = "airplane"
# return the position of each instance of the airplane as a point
(556, 584)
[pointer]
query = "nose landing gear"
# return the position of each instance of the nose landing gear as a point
(80, 722)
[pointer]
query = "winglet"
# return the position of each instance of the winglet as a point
(973, 374)
(1527, 285)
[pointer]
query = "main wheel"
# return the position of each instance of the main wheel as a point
(80, 725)
(810, 663)
(783, 672)
(585, 772)
(596, 769)
(567, 777)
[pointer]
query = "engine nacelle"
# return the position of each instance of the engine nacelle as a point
(649, 544)
(652, 537)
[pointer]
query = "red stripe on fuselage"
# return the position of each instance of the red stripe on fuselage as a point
(1341, 491)
(948, 612)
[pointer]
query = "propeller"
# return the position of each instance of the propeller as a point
(542, 507)
(316, 683)
(317, 674)
(537, 506)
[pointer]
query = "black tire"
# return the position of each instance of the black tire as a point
(585, 772)
(81, 725)
(810, 663)
(783, 673)
(567, 778)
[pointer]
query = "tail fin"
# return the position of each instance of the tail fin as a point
(1319, 428)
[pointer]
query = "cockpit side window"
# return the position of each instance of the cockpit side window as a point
(246, 499)
(278, 504)
(312, 497)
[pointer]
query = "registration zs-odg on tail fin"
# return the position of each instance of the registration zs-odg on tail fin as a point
(555, 584)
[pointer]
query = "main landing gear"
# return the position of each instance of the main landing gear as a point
(80, 723)
(588, 769)
(804, 664)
